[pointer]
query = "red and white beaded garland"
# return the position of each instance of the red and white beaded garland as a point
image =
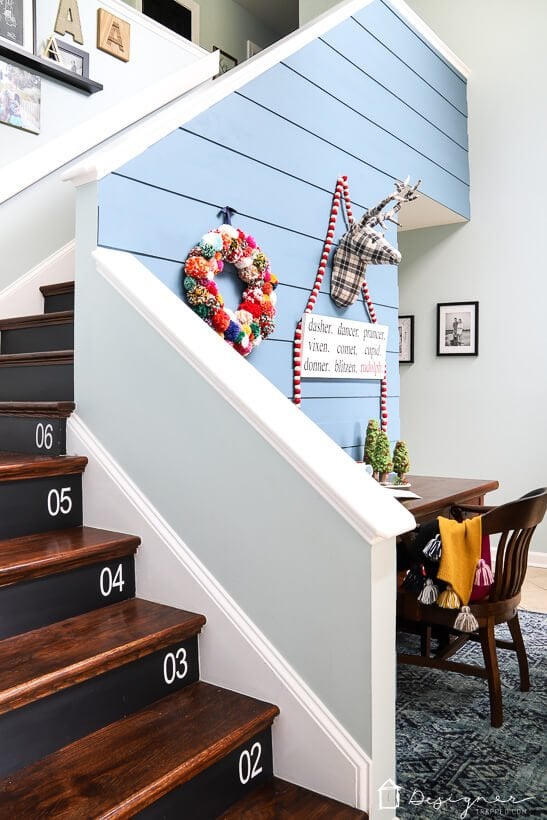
(342, 189)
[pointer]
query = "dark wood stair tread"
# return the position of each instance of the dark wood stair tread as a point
(17, 466)
(39, 663)
(49, 357)
(60, 317)
(49, 409)
(130, 764)
(57, 288)
(279, 800)
(34, 556)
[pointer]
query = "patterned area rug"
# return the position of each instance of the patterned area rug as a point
(450, 762)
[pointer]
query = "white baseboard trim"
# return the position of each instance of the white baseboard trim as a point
(537, 559)
(23, 297)
(312, 748)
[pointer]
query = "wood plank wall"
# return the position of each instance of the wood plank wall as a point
(370, 99)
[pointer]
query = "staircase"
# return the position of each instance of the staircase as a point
(102, 713)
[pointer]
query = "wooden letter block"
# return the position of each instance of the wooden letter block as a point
(113, 35)
(68, 20)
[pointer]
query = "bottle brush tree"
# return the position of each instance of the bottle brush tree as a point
(382, 460)
(373, 428)
(401, 460)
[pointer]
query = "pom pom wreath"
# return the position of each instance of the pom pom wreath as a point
(253, 320)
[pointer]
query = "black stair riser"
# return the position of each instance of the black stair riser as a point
(38, 339)
(24, 434)
(42, 727)
(40, 504)
(31, 604)
(58, 302)
(206, 796)
(53, 382)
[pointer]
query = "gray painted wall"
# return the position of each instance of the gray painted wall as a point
(485, 416)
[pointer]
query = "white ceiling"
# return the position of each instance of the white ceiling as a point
(281, 16)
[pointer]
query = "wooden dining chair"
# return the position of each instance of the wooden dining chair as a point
(515, 522)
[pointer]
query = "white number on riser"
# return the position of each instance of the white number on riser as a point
(108, 582)
(248, 763)
(44, 436)
(59, 501)
(175, 666)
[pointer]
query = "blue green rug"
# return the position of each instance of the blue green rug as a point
(446, 749)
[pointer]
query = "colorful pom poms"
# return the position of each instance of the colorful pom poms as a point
(429, 593)
(189, 283)
(207, 250)
(483, 574)
(232, 331)
(466, 621)
(220, 320)
(448, 599)
(251, 241)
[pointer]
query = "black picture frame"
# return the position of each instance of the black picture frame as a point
(18, 24)
(72, 58)
(226, 62)
(406, 339)
(457, 329)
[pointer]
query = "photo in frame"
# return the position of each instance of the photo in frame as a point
(72, 58)
(226, 61)
(458, 329)
(406, 339)
(18, 23)
(20, 98)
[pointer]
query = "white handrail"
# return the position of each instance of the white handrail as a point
(369, 508)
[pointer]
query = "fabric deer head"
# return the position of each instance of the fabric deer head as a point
(362, 245)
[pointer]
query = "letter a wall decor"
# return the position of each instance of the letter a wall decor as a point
(113, 35)
(68, 20)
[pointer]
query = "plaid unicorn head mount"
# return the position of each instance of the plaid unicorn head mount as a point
(362, 245)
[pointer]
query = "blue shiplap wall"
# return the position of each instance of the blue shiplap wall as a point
(370, 99)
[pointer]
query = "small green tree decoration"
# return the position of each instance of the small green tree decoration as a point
(373, 428)
(381, 462)
(401, 460)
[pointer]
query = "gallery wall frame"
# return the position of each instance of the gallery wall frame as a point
(226, 61)
(20, 98)
(72, 58)
(406, 339)
(18, 24)
(457, 329)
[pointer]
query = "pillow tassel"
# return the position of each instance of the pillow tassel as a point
(432, 549)
(483, 575)
(466, 621)
(448, 599)
(429, 593)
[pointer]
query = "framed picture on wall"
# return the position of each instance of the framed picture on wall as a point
(18, 23)
(406, 339)
(20, 98)
(181, 16)
(226, 61)
(458, 329)
(72, 58)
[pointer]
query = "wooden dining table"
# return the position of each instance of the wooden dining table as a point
(439, 493)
